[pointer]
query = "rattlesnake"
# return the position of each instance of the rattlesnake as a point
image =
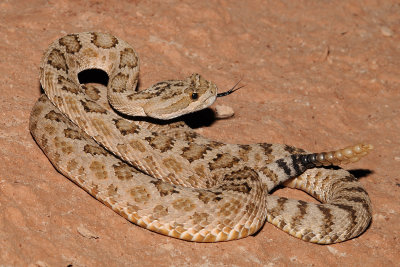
(166, 177)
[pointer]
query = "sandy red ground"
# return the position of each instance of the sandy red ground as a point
(320, 75)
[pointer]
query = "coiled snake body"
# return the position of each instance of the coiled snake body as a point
(169, 179)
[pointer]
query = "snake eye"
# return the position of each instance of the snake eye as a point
(194, 96)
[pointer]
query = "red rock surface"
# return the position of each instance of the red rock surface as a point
(319, 75)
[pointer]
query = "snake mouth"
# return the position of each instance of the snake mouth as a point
(205, 104)
(209, 101)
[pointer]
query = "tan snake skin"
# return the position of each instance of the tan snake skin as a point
(166, 177)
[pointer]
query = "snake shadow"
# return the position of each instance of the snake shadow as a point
(199, 119)
(361, 173)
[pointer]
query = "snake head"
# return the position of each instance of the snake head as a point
(172, 99)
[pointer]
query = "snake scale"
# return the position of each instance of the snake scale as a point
(166, 177)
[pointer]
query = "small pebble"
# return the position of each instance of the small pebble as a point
(336, 252)
(379, 217)
(223, 112)
(36, 264)
(86, 233)
(386, 31)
